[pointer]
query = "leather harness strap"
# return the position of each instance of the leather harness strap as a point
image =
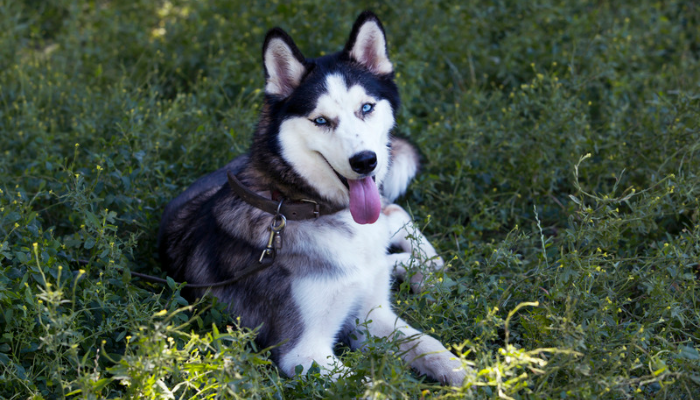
(251, 269)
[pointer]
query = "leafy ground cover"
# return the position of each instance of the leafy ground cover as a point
(560, 143)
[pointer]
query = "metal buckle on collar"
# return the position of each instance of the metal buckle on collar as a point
(317, 207)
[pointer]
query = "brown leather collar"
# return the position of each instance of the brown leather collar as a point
(297, 211)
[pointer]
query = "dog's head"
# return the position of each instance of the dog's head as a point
(327, 120)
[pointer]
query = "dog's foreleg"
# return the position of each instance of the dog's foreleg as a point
(424, 353)
(322, 306)
(402, 228)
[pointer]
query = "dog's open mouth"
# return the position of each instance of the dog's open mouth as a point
(344, 180)
(365, 203)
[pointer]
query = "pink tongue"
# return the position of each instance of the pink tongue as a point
(365, 205)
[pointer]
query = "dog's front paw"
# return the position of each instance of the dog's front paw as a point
(435, 263)
(419, 282)
(446, 368)
(455, 377)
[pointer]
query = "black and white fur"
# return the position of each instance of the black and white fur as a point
(331, 270)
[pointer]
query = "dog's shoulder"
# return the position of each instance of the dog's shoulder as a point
(201, 189)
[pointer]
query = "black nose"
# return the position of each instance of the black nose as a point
(363, 162)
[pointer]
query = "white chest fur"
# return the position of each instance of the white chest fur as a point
(360, 265)
(351, 248)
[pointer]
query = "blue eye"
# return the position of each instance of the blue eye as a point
(320, 121)
(367, 108)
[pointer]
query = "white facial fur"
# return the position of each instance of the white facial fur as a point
(307, 146)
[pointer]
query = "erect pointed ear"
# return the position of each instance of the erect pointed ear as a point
(284, 63)
(367, 44)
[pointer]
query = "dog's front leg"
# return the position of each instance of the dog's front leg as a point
(401, 227)
(423, 352)
(320, 309)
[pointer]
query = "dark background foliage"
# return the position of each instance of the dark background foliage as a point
(560, 178)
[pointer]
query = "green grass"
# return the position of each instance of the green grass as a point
(561, 159)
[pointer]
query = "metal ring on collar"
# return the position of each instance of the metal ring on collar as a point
(279, 206)
(282, 223)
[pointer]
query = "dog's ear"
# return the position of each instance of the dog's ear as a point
(367, 44)
(284, 64)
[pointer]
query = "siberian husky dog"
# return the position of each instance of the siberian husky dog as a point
(306, 219)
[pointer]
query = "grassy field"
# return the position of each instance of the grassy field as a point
(561, 178)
